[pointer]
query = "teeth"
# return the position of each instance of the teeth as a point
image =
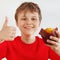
(28, 27)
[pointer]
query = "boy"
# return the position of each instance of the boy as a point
(27, 46)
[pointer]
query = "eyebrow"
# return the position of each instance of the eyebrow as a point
(34, 16)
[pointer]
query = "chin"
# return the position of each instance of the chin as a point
(29, 34)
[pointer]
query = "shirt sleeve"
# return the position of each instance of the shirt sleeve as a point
(53, 55)
(3, 50)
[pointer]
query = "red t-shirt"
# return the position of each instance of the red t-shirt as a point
(18, 50)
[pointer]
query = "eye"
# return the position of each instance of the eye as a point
(23, 18)
(34, 19)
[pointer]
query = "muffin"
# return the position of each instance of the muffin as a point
(46, 33)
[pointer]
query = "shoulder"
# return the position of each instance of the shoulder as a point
(41, 42)
(39, 39)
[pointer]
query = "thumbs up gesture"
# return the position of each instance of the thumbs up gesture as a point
(7, 32)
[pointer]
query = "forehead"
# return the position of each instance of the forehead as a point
(28, 13)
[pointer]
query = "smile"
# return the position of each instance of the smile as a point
(28, 27)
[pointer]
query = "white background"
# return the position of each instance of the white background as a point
(50, 12)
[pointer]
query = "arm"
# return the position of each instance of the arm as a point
(53, 55)
(55, 47)
(1, 39)
(7, 33)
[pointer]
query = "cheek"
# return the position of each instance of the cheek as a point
(20, 24)
(37, 24)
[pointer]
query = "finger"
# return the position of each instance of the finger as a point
(6, 22)
(58, 34)
(13, 34)
(52, 42)
(59, 40)
(54, 38)
(54, 32)
(56, 28)
(11, 28)
(10, 38)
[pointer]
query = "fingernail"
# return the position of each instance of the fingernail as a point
(48, 40)
(56, 31)
(50, 37)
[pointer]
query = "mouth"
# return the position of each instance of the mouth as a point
(28, 27)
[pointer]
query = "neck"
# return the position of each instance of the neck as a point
(28, 39)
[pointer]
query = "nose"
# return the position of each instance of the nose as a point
(28, 22)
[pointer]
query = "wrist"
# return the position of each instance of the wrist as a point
(1, 39)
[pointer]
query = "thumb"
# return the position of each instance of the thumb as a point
(56, 28)
(6, 22)
(54, 32)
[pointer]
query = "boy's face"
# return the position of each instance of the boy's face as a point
(28, 22)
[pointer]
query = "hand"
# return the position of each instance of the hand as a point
(7, 32)
(55, 41)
